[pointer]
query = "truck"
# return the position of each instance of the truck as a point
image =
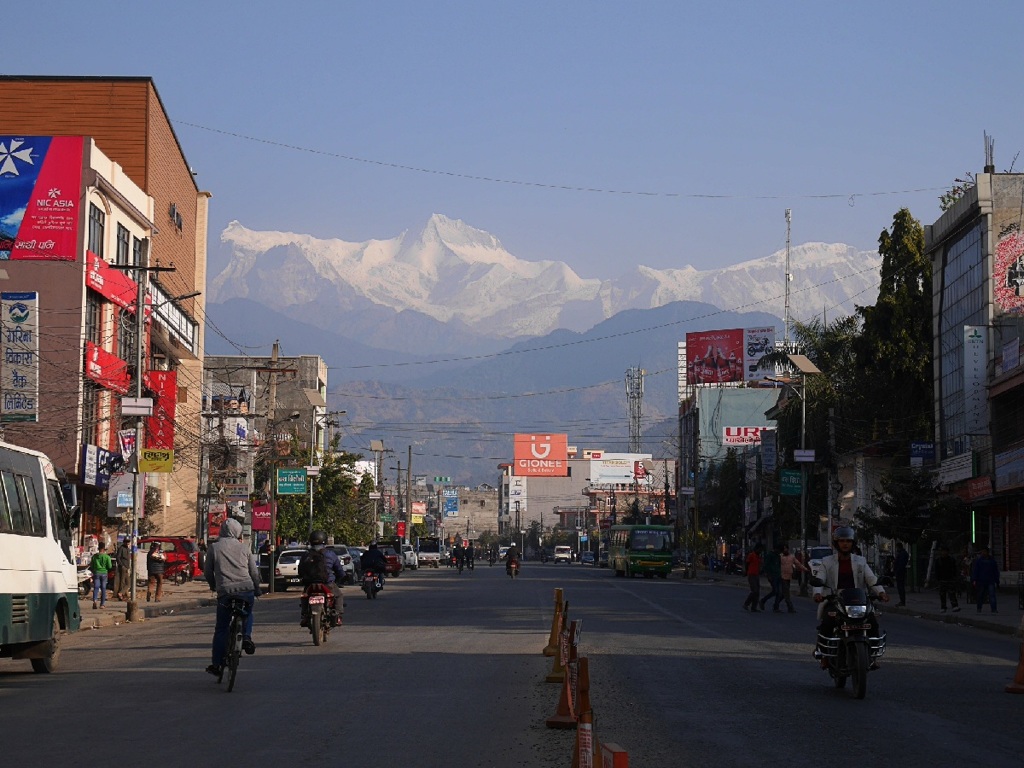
(428, 551)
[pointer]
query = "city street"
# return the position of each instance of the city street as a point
(446, 670)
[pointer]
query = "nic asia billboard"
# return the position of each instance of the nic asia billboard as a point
(541, 455)
(40, 188)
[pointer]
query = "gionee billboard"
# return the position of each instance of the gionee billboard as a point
(541, 455)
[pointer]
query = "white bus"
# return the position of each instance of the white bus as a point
(38, 576)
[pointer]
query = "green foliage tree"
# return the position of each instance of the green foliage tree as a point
(894, 350)
(722, 499)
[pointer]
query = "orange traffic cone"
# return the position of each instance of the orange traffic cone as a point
(565, 713)
(1017, 686)
(556, 625)
(583, 749)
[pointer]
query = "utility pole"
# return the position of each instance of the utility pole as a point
(408, 496)
(138, 488)
(271, 408)
(789, 276)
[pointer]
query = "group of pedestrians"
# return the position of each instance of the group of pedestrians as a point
(778, 566)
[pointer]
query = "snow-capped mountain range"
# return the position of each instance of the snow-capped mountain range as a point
(453, 282)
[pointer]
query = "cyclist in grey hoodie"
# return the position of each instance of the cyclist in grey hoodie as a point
(231, 570)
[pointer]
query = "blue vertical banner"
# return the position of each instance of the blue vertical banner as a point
(451, 502)
(19, 381)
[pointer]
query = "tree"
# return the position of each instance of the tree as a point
(894, 350)
(722, 496)
(904, 505)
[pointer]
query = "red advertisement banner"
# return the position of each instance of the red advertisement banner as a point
(160, 426)
(106, 369)
(109, 282)
(714, 357)
(541, 455)
(261, 517)
(40, 189)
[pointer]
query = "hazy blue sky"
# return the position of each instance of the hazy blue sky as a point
(707, 119)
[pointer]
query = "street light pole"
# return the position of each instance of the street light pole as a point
(806, 367)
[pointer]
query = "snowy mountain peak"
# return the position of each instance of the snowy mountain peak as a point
(451, 271)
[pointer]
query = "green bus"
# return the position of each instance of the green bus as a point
(645, 549)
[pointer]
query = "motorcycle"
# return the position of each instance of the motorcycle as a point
(849, 651)
(371, 585)
(319, 611)
(492, 559)
(512, 568)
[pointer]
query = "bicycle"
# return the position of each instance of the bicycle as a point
(239, 612)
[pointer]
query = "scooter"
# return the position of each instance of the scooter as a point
(512, 568)
(850, 651)
(319, 611)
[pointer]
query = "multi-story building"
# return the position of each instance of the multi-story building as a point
(253, 405)
(977, 253)
(113, 198)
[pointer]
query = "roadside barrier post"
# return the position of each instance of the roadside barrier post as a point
(583, 749)
(556, 625)
(1017, 686)
(613, 756)
(557, 673)
(567, 712)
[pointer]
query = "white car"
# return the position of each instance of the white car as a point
(563, 554)
(286, 570)
(409, 558)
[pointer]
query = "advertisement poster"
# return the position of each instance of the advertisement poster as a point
(451, 502)
(261, 517)
(975, 391)
(160, 426)
(757, 342)
(19, 328)
(714, 357)
(40, 186)
(1008, 277)
(541, 455)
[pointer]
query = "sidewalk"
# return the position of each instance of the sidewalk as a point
(176, 598)
(923, 605)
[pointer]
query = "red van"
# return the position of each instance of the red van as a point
(182, 555)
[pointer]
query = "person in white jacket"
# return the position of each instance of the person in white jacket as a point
(844, 570)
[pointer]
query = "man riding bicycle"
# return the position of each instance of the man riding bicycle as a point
(231, 571)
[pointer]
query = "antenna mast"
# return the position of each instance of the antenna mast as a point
(789, 276)
(635, 396)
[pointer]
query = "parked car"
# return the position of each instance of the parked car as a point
(394, 567)
(182, 556)
(587, 558)
(409, 558)
(357, 554)
(286, 570)
(815, 556)
(346, 561)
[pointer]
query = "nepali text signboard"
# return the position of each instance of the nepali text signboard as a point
(40, 186)
(19, 329)
(291, 482)
(789, 482)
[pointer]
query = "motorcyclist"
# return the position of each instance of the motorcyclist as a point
(844, 570)
(470, 555)
(335, 576)
(511, 557)
(373, 560)
(460, 555)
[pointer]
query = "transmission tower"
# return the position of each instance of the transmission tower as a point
(635, 396)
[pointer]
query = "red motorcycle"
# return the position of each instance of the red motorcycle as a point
(512, 568)
(319, 611)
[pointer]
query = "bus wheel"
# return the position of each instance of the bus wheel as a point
(49, 662)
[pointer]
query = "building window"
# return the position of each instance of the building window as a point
(97, 220)
(93, 318)
(123, 244)
(126, 336)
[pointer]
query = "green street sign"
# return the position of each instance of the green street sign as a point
(291, 482)
(789, 482)
(442, 479)
(387, 518)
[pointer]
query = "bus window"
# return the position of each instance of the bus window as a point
(16, 502)
(36, 513)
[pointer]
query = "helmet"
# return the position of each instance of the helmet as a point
(318, 537)
(845, 532)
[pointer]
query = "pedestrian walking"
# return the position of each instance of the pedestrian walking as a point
(155, 562)
(101, 565)
(966, 561)
(984, 578)
(123, 577)
(900, 571)
(945, 574)
(788, 564)
(773, 572)
(753, 571)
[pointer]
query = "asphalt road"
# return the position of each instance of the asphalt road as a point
(446, 670)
